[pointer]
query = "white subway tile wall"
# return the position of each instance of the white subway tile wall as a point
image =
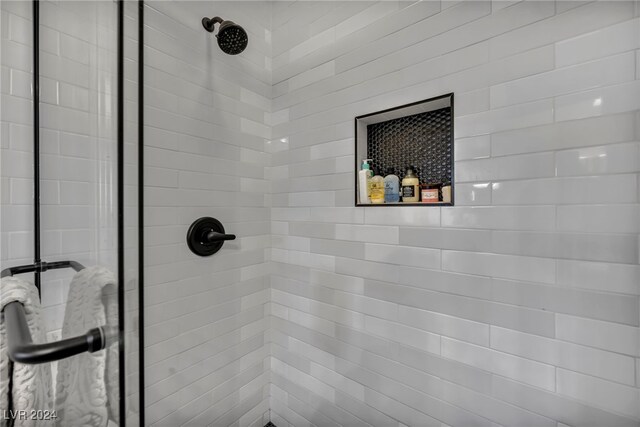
(207, 126)
(518, 306)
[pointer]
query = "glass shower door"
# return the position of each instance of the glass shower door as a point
(79, 129)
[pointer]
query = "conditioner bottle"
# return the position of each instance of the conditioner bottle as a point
(410, 187)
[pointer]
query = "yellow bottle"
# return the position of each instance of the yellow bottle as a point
(410, 187)
(377, 189)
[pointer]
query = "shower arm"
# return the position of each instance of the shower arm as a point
(209, 23)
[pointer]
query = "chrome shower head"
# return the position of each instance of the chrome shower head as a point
(232, 38)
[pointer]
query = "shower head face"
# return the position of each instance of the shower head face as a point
(232, 38)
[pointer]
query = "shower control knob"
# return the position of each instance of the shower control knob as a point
(206, 236)
(214, 236)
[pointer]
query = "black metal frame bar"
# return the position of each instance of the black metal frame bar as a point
(120, 214)
(40, 267)
(22, 349)
(36, 141)
(141, 209)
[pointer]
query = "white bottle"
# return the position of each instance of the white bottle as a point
(364, 175)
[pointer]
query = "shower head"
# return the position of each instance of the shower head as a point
(232, 38)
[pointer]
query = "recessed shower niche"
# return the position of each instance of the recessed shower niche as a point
(417, 136)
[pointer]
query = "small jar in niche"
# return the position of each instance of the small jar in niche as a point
(430, 193)
(446, 192)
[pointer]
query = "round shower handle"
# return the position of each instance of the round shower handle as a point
(206, 236)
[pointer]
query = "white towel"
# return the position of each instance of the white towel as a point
(87, 384)
(30, 384)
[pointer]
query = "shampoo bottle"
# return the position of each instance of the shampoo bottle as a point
(391, 187)
(364, 176)
(377, 189)
(410, 187)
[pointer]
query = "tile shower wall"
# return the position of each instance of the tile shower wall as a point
(517, 307)
(206, 127)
